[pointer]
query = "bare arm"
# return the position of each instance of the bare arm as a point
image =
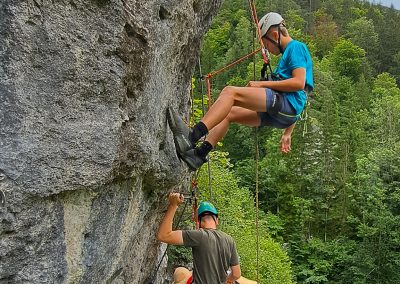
(286, 139)
(234, 275)
(289, 130)
(165, 233)
(296, 83)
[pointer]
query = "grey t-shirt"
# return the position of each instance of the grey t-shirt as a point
(214, 252)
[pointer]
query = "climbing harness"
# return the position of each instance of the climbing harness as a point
(264, 76)
(264, 51)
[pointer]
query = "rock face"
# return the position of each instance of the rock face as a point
(86, 156)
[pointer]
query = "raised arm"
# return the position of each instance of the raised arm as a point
(165, 233)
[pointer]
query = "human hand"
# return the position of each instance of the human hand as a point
(253, 84)
(175, 198)
(286, 142)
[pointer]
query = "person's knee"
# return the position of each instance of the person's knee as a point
(228, 91)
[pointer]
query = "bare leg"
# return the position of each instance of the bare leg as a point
(238, 115)
(247, 102)
(246, 97)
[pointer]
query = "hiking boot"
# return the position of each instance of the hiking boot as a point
(180, 131)
(193, 160)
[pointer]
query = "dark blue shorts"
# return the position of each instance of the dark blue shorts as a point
(280, 113)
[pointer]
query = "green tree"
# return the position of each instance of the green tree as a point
(325, 33)
(362, 32)
(237, 218)
(334, 200)
(216, 43)
(347, 59)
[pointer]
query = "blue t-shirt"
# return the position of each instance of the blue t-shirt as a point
(296, 55)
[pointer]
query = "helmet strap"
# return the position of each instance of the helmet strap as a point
(277, 44)
(279, 39)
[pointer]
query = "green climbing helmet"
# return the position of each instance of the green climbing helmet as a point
(206, 207)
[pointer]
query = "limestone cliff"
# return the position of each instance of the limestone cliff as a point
(86, 157)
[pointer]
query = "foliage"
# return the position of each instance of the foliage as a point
(347, 58)
(237, 216)
(325, 34)
(333, 202)
(362, 33)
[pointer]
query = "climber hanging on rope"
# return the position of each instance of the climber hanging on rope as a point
(276, 103)
(214, 252)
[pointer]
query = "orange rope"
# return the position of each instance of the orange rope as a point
(255, 19)
(210, 75)
(209, 102)
(264, 52)
(194, 204)
(262, 48)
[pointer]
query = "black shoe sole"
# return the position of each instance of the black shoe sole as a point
(193, 166)
(181, 133)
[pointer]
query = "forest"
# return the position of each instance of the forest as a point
(329, 211)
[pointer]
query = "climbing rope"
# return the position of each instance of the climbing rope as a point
(257, 206)
(195, 204)
(208, 77)
(203, 111)
(264, 51)
(213, 73)
(257, 154)
(194, 184)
